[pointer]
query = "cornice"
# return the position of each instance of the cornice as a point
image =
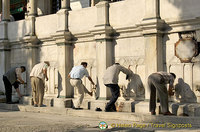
(182, 25)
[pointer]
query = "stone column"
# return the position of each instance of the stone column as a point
(5, 10)
(4, 44)
(65, 63)
(65, 50)
(0, 6)
(152, 27)
(4, 60)
(65, 4)
(33, 10)
(104, 46)
(63, 16)
(31, 46)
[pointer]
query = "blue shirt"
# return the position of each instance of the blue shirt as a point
(79, 72)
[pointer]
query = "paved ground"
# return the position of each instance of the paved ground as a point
(16, 121)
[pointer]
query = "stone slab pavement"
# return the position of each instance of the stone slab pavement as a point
(18, 121)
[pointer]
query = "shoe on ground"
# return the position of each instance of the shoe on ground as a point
(98, 109)
(153, 113)
(35, 105)
(42, 105)
(168, 114)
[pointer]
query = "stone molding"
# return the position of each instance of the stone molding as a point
(102, 33)
(31, 42)
(4, 45)
(151, 26)
(182, 25)
(63, 38)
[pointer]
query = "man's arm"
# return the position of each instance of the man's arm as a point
(91, 80)
(45, 73)
(69, 76)
(19, 78)
(170, 91)
(125, 70)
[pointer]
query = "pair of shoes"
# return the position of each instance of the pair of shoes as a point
(168, 114)
(35, 105)
(42, 105)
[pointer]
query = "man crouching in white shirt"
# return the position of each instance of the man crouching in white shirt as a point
(37, 75)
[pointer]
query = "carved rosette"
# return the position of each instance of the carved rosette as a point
(186, 49)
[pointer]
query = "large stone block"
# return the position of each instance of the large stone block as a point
(186, 109)
(143, 107)
(62, 102)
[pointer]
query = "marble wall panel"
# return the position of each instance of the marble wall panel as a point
(126, 13)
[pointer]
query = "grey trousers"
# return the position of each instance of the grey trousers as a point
(156, 83)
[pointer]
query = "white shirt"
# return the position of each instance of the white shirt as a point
(79, 72)
(37, 70)
(112, 73)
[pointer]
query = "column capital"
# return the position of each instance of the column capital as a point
(63, 38)
(152, 26)
(102, 32)
(31, 42)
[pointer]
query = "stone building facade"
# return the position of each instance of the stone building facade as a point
(149, 35)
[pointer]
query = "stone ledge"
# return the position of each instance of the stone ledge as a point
(134, 117)
(12, 107)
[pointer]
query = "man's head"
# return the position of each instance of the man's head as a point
(23, 68)
(47, 62)
(84, 64)
(173, 75)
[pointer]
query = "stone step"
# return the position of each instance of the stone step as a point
(12, 107)
(134, 117)
(139, 107)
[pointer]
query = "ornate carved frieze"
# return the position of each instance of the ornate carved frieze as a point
(126, 61)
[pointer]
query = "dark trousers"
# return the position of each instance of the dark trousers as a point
(114, 88)
(8, 88)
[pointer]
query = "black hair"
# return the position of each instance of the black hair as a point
(173, 75)
(84, 63)
(23, 67)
